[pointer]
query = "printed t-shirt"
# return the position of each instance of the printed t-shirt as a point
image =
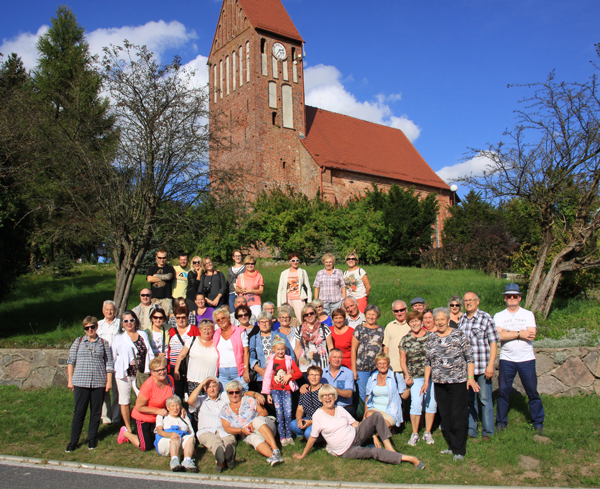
(516, 350)
(156, 398)
(279, 370)
(370, 342)
(181, 281)
(355, 287)
(415, 349)
(293, 291)
(162, 290)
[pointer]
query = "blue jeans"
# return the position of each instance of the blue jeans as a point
(232, 297)
(299, 431)
(487, 408)
(231, 373)
(528, 376)
(361, 381)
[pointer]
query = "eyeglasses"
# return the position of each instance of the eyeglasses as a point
(222, 319)
(87, 328)
(512, 296)
(128, 321)
(145, 295)
(283, 318)
(294, 261)
(309, 314)
(399, 310)
(454, 305)
(327, 395)
(234, 393)
(196, 262)
(160, 370)
(162, 318)
(243, 315)
(180, 318)
(470, 300)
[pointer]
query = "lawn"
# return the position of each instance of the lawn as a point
(37, 424)
(46, 312)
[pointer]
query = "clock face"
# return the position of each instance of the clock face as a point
(279, 50)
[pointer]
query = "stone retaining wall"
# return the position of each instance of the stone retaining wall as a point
(561, 371)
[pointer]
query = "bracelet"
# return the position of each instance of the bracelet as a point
(519, 334)
(471, 377)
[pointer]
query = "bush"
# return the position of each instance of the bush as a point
(62, 265)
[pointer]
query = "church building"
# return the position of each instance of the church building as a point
(256, 79)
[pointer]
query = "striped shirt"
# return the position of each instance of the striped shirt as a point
(91, 359)
(480, 330)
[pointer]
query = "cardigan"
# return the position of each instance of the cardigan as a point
(236, 342)
(124, 351)
(395, 384)
(303, 286)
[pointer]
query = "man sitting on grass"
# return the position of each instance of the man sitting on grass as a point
(174, 435)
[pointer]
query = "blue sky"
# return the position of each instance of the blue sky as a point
(439, 70)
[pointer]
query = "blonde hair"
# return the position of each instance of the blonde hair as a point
(328, 256)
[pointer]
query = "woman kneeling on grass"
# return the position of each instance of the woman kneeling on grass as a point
(174, 435)
(150, 402)
(345, 436)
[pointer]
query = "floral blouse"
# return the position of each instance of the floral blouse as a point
(448, 357)
(247, 413)
(370, 343)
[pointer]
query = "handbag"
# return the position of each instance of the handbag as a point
(183, 365)
(140, 378)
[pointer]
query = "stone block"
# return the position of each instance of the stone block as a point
(597, 387)
(6, 359)
(19, 369)
(576, 391)
(592, 360)
(62, 361)
(46, 374)
(60, 379)
(549, 385)
(574, 373)
(543, 364)
(34, 381)
(40, 359)
(18, 383)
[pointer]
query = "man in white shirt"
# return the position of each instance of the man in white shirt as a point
(353, 316)
(107, 330)
(394, 332)
(517, 329)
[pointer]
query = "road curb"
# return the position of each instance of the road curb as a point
(249, 480)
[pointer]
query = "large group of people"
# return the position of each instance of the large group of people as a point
(317, 367)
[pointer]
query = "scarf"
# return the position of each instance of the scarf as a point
(310, 334)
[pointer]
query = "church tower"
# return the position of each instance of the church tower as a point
(257, 93)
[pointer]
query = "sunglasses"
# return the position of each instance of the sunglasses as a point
(350, 259)
(244, 315)
(87, 328)
(162, 318)
(128, 321)
(145, 295)
(309, 314)
(237, 393)
(294, 261)
(512, 296)
(399, 310)
(196, 262)
(454, 305)
(180, 318)
(161, 257)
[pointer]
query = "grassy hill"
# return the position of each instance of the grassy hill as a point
(46, 312)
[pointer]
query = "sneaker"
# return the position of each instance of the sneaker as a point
(414, 438)
(500, 428)
(220, 456)
(189, 466)
(93, 444)
(284, 442)
(428, 438)
(539, 430)
(290, 441)
(230, 456)
(176, 466)
(420, 466)
(276, 458)
(71, 447)
(121, 438)
(446, 452)
(458, 458)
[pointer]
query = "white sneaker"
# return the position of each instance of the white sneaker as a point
(428, 438)
(414, 438)
(176, 466)
(290, 441)
(189, 466)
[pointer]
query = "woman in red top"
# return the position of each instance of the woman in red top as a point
(177, 338)
(149, 404)
(278, 384)
(341, 337)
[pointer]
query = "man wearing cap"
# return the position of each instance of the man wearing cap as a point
(480, 330)
(394, 332)
(418, 304)
(517, 329)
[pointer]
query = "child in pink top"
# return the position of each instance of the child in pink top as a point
(278, 383)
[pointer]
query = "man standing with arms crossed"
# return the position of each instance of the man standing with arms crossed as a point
(160, 277)
(480, 330)
(517, 329)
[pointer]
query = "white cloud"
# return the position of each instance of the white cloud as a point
(198, 64)
(24, 46)
(325, 90)
(473, 167)
(158, 36)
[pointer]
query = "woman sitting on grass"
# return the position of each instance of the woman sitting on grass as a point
(174, 435)
(345, 436)
(150, 402)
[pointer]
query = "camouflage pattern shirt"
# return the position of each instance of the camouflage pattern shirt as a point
(415, 354)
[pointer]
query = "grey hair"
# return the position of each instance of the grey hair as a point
(286, 309)
(471, 292)
(455, 298)
(373, 307)
(443, 310)
(397, 301)
(174, 399)
(223, 310)
(317, 302)
(268, 303)
(109, 303)
(349, 298)
(234, 384)
(264, 315)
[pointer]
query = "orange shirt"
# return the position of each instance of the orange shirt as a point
(156, 399)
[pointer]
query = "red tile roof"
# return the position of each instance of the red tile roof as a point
(346, 143)
(271, 16)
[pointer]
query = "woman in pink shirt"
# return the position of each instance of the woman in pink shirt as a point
(345, 436)
(251, 285)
